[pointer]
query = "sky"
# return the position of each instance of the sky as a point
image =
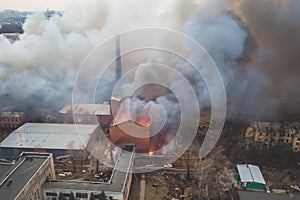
(34, 5)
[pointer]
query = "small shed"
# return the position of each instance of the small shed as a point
(251, 177)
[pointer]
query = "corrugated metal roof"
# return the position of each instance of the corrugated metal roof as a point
(50, 136)
(90, 109)
(250, 173)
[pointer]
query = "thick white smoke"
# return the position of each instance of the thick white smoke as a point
(40, 68)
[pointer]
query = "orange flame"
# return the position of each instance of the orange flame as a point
(145, 122)
(151, 153)
(124, 114)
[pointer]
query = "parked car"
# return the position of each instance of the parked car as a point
(168, 166)
(267, 189)
(295, 187)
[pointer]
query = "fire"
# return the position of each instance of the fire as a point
(139, 116)
(151, 153)
(145, 122)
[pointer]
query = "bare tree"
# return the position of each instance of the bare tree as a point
(186, 158)
(72, 153)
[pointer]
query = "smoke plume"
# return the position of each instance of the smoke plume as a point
(255, 45)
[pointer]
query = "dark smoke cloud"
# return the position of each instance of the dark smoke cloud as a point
(275, 25)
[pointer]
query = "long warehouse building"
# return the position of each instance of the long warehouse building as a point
(52, 138)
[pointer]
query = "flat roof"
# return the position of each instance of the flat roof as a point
(86, 109)
(50, 136)
(244, 195)
(4, 167)
(117, 181)
(250, 173)
(16, 178)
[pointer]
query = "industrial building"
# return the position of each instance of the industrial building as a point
(87, 114)
(52, 138)
(296, 143)
(117, 188)
(251, 177)
(270, 134)
(128, 128)
(24, 179)
(11, 120)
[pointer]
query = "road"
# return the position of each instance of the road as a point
(143, 187)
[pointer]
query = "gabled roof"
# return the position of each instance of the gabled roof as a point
(130, 121)
(133, 110)
(250, 173)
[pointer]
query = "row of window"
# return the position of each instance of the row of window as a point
(280, 135)
(8, 126)
(78, 195)
(10, 119)
(273, 140)
(54, 195)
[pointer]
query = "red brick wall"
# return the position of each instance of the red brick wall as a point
(119, 137)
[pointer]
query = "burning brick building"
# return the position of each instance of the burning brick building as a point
(131, 127)
(85, 114)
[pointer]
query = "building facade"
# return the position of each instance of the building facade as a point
(119, 134)
(25, 178)
(271, 134)
(12, 120)
(296, 143)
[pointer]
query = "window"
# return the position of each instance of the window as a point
(51, 194)
(38, 194)
(81, 195)
(65, 194)
(286, 140)
(296, 149)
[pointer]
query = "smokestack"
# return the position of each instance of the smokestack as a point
(118, 58)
